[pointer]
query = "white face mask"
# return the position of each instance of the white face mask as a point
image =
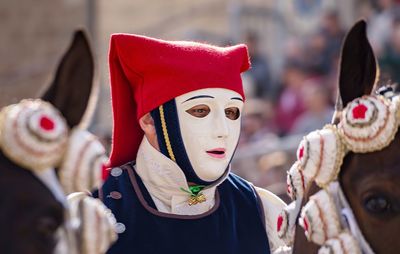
(209, 120)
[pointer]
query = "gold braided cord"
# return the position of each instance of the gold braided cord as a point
(165, 132)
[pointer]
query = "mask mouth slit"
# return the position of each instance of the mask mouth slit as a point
(216, 152)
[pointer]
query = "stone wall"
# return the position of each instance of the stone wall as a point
(34, 35)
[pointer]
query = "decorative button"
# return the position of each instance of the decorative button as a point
(115, 172)
(115, 195)
(120, 228)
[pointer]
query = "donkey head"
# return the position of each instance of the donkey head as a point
(32, 209)
(364, 163)
(370, 181)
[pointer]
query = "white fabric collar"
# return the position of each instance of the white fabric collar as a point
(164, 179)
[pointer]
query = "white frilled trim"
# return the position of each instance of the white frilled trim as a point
(343, 244)
(84, 159)
(369, 124)
(319, 218)
(296, 182)
(94, 223)
(33, 134)
(320, 154)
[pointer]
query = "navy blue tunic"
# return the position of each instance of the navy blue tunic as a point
(235, 225)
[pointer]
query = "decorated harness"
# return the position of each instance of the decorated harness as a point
(34, 135)
(367, 124)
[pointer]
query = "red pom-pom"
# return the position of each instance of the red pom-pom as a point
(359, 111)
(46, 123)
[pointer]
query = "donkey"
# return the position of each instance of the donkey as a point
(33, 206)
(369, 178)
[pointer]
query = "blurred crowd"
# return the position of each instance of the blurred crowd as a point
(303, 96)
(302, 99)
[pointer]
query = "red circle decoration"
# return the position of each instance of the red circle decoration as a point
(282, 226)
(34, 134)
(359, 111)
(369, 124)
(46, 123)
(279, 222)
(301, 152)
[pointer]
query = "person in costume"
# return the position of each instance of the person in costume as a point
(177, 109)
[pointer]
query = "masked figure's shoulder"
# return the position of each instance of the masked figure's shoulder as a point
(272, 206)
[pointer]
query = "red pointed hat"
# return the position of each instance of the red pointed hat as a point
(146, 73)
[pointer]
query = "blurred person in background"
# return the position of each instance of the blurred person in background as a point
(324, 44)
(390, 58)
(294, 50)
(380, 24)
(260, 71)
(333, 32)
(317, 58)
(318, 112)
(290, 104)
(257, 121)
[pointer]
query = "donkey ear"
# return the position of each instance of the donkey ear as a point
(358, 68)
(72, 85)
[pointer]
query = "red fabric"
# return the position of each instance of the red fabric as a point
(147, 72)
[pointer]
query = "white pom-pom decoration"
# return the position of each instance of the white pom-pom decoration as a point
(94, 221)
(320, 154)
(296, 182)
(343, 244)
(82, 166)
(368, 124)
(33, 134)
(319, 218)
(286, 222)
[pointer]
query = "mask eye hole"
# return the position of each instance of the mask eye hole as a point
(199, 111)
(232, 113)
